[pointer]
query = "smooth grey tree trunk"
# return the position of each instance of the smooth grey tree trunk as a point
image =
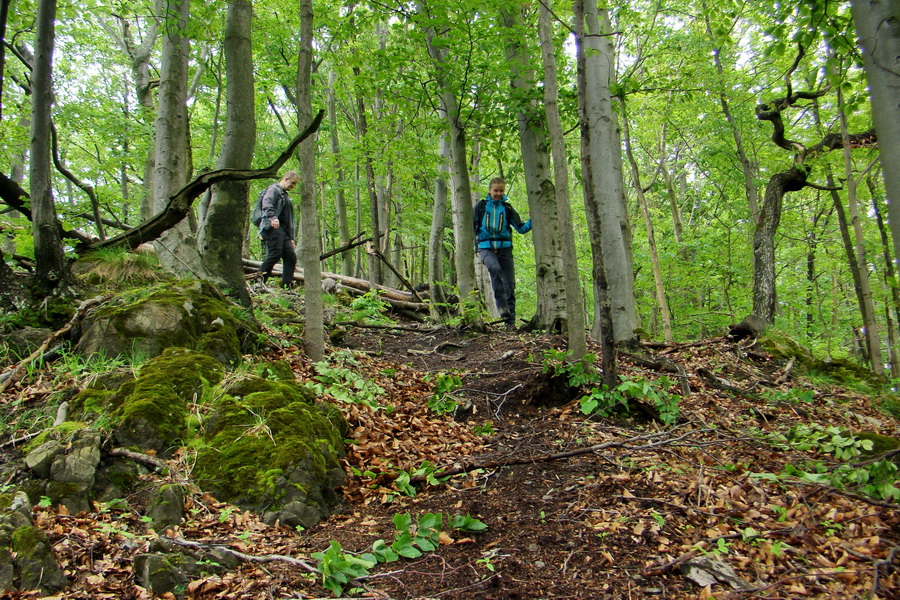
(340, 202)
(52, 273)
(534, 140)
(865, 290)
(575, 324)
(659, 285)
(877, 25)
(436, 238)
(221, 234)
(170, 170)
(463, 233)
(310, 243)
(590, 164)
(607, 217)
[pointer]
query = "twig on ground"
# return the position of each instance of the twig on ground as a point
(266, 558)
(85, 306)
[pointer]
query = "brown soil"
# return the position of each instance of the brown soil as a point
(616, 522)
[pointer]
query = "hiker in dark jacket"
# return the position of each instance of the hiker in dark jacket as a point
(277, 229)
(494, 220)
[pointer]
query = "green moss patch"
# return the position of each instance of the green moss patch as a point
(268, 444)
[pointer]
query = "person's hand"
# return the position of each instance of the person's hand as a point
(275, 223)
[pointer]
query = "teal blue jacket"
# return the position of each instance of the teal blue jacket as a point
(494, 222)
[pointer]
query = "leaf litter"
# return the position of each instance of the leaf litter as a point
(658, 513)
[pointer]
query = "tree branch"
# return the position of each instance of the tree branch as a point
(179, 205)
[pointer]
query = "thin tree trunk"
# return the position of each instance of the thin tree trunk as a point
(310, 246)
(436, 239)
(463, 231)
(591, 164)
(748, 169)
(865, 291)
(339, 199)
(52, 271)
(575, 324)
(651, 236)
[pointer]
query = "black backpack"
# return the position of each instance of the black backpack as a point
(256, 214)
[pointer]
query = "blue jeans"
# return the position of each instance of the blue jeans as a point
(499, 264)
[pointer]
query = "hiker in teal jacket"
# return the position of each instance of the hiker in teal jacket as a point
(494, 220)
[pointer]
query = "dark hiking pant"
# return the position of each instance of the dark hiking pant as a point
(499, 264)
(278, 247)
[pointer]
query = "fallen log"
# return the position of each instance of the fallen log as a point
(251, 267)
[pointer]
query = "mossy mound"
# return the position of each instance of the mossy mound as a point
(881, 444)
(192, 314)
(151, 411)
(269, 447)
(116, 269)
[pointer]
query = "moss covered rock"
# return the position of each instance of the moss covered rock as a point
(271, 448)
(26, 556)
(151, 411)
(146, 320)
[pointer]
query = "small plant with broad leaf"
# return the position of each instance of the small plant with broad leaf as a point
(442, 400)
(411, 539)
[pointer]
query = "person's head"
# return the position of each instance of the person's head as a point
(289, 180)
(497, 188)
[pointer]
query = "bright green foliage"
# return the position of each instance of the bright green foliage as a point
(441, 400)
(607, 403)
(338, 567)
(340, 378)
(368, 308)
(411, 540)
(879, 479)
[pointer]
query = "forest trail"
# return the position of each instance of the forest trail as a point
(586, 508)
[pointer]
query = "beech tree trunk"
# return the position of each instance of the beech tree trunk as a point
(605, 205)
(310, 243)
(52, 273)
(591, 164)
(660, 289)
(340, 203)
(575, 326)
(764, 298)
(436, 238)
(463, 232)
(534, 140)
(877, 25)
(221, 234)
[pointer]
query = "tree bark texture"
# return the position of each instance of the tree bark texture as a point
(340, 203)
(575, 325)
(607, 217)
(877, 25)
(221, 234)
(764, 297)
(534, 140)
(310, 242)
(170, 171)
(590, 162)
(462, 199)
(436, 237)
(51, 267)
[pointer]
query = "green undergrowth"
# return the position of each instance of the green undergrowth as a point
(411, 540)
